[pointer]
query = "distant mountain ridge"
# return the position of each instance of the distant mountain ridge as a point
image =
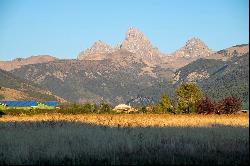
(18, 62)
(97, 80)
(137, 43)
(136, 68)
(121, 77)
(225, 54)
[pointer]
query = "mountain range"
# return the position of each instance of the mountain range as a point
(135, 70)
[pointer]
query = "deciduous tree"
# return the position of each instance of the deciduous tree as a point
(164, 104)
(206, 106)
(188, 94)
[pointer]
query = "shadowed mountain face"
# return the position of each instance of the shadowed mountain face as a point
(15, 88)
(218, 78)
(98, 80)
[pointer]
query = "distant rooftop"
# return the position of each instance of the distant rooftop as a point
(26, 103)
(20, 103)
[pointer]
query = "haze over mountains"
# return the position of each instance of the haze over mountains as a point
(135, 69)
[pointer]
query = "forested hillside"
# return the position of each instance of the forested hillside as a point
(218, 78)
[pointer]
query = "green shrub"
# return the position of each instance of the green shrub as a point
(105, 108)
(88, 107)
(142, 109)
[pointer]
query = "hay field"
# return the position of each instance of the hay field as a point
(138, 120)
(125, 139)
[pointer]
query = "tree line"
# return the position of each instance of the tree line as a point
(190, 99)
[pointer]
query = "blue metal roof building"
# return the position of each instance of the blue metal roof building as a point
(28, 103)
(20, 103)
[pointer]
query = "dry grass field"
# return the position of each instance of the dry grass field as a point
(125, 139)
(138, 120)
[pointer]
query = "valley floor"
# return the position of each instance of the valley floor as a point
(125, 139)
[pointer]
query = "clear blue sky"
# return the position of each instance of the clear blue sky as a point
(63, 28)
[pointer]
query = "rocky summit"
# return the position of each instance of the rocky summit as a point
(138, 44)
(135, 42)
(193, 48)
(96, 52)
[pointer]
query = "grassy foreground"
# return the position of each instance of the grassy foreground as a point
(125, 139)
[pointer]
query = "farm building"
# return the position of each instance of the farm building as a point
(124, 108)
(27, 104)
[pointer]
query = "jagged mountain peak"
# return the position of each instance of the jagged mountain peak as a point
(96, 51)
(194, 42)
(135, 40)
(99, 46)
(137, 43)
(194, 39)
(134, 33)
(100, 43)
(194, 48)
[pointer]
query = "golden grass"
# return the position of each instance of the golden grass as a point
(139, 120)
(124, 139)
